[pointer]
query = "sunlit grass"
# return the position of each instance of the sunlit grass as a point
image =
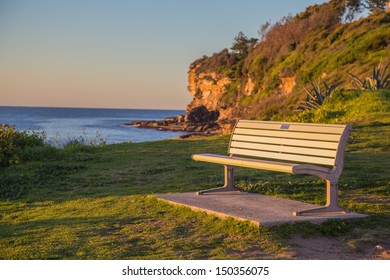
(135, 226)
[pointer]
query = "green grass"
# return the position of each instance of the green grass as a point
(85, 202)
(97, 204)
(120, 227)
(368, 108)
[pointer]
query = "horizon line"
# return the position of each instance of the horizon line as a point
(76, 107)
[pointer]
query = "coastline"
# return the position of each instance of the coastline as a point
(179, 124)
(197, 121)
(162, 126)
(60, 125)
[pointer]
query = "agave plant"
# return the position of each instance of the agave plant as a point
(379, 80)
(315, 98)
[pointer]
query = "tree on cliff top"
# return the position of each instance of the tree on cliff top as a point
(242, 43)
(353, 7)
(372, 4)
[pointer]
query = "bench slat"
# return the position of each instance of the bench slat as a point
(284, 149)
(288, 134)
(321, 128)
(283, 141)
(281, 156)
(246, 162)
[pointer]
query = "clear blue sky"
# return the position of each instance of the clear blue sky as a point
(117, 54)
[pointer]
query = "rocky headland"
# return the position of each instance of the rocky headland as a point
(267, 78)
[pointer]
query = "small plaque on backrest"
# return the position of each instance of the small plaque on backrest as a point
(285, 126)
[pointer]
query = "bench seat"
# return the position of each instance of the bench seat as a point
(296, 148)
(287, 167)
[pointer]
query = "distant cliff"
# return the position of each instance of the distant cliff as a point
(265, 81)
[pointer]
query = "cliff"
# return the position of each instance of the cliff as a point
(265, 80)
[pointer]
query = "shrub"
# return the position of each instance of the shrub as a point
(379, 79)
(218, 62)
(13, 142)
(316, 98)
(84, 143)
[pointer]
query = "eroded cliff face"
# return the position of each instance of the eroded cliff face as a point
(207, 89)
(211, 90)
(287, 84)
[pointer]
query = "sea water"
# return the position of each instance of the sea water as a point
(61, 125)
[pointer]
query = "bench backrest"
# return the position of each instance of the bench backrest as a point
(322, 144)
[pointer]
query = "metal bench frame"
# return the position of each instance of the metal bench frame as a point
(297, 148)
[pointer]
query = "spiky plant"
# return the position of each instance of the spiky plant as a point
(379, 80)
(315, 98)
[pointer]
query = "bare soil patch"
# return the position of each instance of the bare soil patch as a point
(333, 248)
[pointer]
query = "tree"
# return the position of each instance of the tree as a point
(370, 5)
(354, 7)
(373, 5)
(264, 28)
(241, 43)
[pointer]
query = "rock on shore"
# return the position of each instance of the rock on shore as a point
(197, 120)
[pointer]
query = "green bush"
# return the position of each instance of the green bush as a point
(316, 98)
(12, 144)
(379, 79)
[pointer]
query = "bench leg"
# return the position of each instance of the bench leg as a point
(229, 183)
(331, 207)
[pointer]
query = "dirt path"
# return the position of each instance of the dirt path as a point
(325, 248)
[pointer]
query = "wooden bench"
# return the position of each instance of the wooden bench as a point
(297, 148)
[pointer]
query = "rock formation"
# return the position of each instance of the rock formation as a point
(198, 119)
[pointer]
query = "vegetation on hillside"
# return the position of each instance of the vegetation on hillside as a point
(380, 79)
(354, 106)
(321, 43)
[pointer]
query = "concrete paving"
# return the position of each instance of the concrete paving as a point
(259, 209)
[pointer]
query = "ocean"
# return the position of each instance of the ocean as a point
(63, 124)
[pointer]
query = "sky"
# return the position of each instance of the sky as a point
(118, 54)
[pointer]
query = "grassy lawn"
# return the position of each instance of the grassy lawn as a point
(86, 202)
(96, 203)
